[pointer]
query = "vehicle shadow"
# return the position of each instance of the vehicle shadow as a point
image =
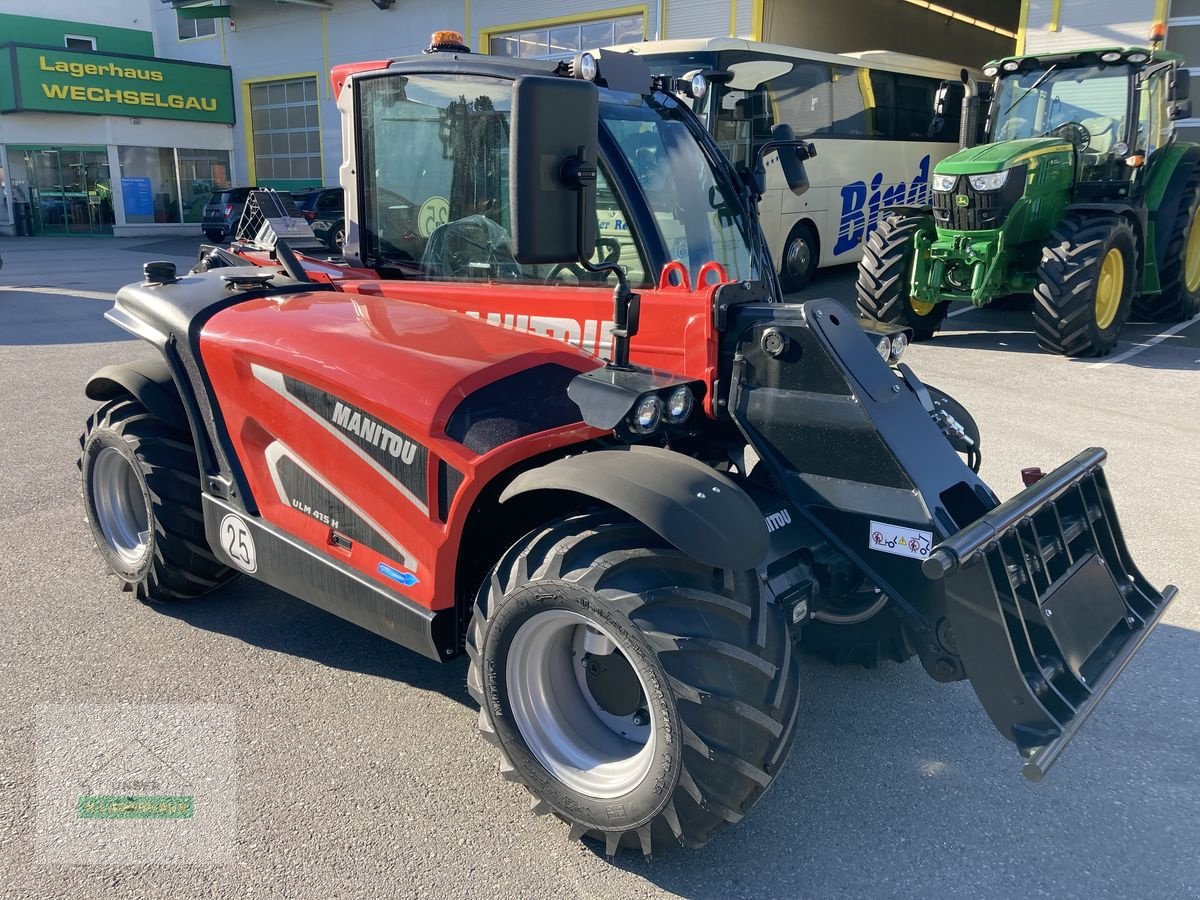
(896, 780)
(40, 319)
(264, 617)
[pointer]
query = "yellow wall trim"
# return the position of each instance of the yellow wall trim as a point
(733, 18)
(613, 12)
(756, 20)
(1021, 26)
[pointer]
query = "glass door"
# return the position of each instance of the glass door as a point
(70, 189)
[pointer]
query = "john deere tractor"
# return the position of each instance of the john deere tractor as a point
(1081, 195)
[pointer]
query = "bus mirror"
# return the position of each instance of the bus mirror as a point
(1179, 85)
(552, 169)
(1180, 109)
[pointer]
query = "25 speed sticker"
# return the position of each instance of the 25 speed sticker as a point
(238, 543)
(900, 540)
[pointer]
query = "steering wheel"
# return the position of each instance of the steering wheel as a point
(1073, 132)
(609, 251)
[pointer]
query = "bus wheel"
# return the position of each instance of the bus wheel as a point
(800, 255)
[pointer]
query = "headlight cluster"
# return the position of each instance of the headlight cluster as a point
(891, 348)
(653, 410)
(944, 183)
(992, 181)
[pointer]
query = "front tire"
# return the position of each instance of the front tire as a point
(141, 495)
(1085, 287)
(700, 657)
(1179, 274)
(883, 278)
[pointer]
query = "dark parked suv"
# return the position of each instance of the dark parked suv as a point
(325, 211)
(222, 212)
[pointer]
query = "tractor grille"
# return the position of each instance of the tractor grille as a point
(983, 209)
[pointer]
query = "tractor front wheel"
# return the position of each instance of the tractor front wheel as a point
(883, 278)
(643, 698)
(1085, 288)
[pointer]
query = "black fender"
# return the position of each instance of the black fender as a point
(148, 380)
(694, 507)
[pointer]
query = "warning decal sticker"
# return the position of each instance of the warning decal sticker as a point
(900, 540)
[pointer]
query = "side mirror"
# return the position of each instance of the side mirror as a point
(1179, 86)
(1180, 109)
(552, 169)
(792, 153)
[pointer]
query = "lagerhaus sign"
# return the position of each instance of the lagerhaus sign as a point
(49, 80)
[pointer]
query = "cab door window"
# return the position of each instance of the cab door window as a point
(434, 152)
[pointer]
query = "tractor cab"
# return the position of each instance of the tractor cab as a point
(1113, 106)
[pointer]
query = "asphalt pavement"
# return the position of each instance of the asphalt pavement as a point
(358, 771)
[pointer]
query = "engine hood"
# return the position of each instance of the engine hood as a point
(1003, 155)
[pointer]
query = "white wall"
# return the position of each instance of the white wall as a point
(1087, 23)
(117, 13)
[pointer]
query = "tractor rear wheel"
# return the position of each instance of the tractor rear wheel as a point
(642, 697)
(140, 482)
(1179, 273)
(1085, 288)
(883, 278)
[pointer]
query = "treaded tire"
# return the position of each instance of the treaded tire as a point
(1064, 308)
(177, 563)
(1176, 303)
(714, 653)
(883, 275)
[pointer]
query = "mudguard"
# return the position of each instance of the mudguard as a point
(149, 380)
(691, 505)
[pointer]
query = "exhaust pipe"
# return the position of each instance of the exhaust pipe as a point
(970, 112)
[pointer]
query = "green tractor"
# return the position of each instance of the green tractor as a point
(1080, 196)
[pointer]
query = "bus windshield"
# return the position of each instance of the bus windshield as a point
(435, 186)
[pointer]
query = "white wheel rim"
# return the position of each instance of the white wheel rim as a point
(563, 726)
(121, 510)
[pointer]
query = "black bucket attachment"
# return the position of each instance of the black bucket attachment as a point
(1046, 606)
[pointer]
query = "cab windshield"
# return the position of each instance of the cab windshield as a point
(435, 154)
(1088, 105)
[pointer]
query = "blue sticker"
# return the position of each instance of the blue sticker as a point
(408, 579)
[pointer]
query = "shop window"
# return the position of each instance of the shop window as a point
(195, 28)
(556, 41)
(201, 173)
(286, 132)
(79, 42)
(149, 184)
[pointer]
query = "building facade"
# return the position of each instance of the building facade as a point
(99, 132)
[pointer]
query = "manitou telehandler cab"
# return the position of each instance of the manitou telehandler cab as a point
(550, 411)
(1083, 196)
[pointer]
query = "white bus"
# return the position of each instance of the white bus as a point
(870, 115)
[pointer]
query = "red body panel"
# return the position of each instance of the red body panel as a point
(676, 331)
(407, 366)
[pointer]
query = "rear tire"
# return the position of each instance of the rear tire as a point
(800, 256)
(213, 235)
(141, 495)
(1179, 273)
(719, 684)
(1085, 288)
(883, 278)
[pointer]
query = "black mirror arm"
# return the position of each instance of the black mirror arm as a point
(580, 175)
(803, 149)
